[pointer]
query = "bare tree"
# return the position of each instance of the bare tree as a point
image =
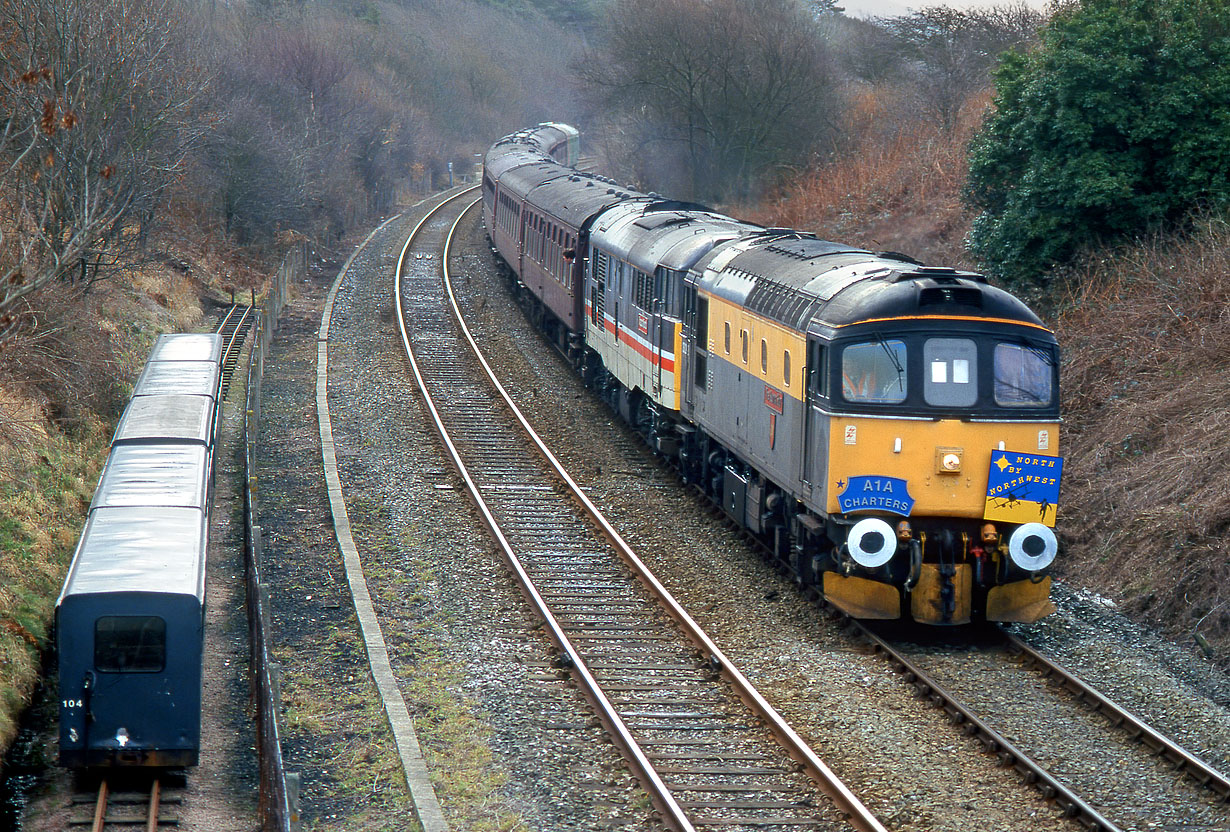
(741, 87)
(949, 53)
(96, 126)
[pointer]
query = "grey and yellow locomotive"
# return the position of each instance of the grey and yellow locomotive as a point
(889, 430)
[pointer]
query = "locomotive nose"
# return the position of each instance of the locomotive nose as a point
(1033, 546)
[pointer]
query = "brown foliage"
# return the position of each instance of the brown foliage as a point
(60, 356)
(1146, 503)
(897, 187)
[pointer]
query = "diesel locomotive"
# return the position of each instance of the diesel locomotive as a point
(888, 430)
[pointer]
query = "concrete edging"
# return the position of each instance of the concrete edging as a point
(418, 779)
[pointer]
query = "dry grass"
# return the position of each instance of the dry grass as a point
(1146, 499)
(897, 189)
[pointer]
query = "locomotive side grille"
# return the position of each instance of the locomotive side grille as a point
(776, 301)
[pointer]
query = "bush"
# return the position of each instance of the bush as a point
(1117, 124)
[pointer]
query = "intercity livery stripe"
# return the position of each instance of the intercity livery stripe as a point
(642, 347)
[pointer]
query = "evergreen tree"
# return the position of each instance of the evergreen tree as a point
(1116, 124)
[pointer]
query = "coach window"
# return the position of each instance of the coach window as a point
(728, 337)
(130, 644)
(950, 379)
(874, 372)
(1023, 376)
(786, 367)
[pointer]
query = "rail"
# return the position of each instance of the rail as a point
(234, 331)
(1182, 759)
(1070, 803)
(858, 816)
(130, 807)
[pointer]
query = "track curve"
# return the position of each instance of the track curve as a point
(498, 491)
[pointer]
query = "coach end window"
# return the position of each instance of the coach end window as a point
(130, 644)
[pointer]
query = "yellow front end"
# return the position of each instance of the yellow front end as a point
(945, 466)
(916, 451)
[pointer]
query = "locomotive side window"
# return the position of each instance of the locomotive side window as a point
(816, 371)
(728, 337)
(950, 379)
(786, 367)
(1023, 376)
(746, 338)
(130, 644)
(701, 374)
(764, 356)
(874, 372)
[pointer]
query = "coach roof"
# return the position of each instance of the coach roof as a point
(187, 347)
(160, 550)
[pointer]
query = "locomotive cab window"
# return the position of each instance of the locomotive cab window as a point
(874, 372)
(950, 378)
(1023, 376)
(130, 644)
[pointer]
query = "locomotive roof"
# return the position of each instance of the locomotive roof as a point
(671, 234)
(194, 378)
(187, 347)
(127, 549)
(166, 418)
(829, 285)
(154, 475)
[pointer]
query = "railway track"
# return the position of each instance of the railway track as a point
(696, 734)
(234, 330)
(936, 678)
(1089, 814)
(131, 801)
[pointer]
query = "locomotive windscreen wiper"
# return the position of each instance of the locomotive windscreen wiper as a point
(1047, 356)
(892, 356)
